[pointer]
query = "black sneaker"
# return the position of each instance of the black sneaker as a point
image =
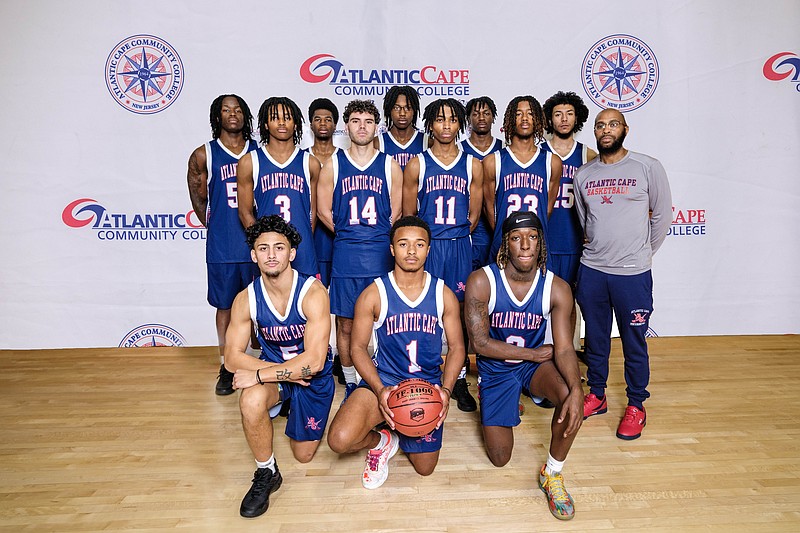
(544, 403)
(224, 382)
(464, 399)
(336, 370)
(256, 501)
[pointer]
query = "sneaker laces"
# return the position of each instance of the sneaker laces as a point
(260, 481)
(373, 457)
(555, 486)
(630, 414)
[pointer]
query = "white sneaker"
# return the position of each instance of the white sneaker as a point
(376, 469)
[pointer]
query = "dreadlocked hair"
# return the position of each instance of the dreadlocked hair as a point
(503, 255)
(562, 98)
(436, 107)
(479, 102)
(269, 109)
(510, 118)
(412, 100)
(215, 116)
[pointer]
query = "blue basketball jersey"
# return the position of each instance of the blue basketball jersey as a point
(443, 195)
(565, 235)
(519, 187)
(280, 332)
(521, 322)
(285, 190)
(408, 335)
(469, 148)
(362, 212)
(323, 237)
(402, 153)
(226, 241)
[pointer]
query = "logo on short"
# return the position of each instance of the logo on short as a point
(427, 438)
(620, 72)
(152, 335)
(781, 66)
(312, 423)
(144, 74)
(639, 317)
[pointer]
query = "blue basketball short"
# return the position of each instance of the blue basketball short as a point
(451, 260)
(481, 242)
(226, 280)
(310, 407)
(501, 384)
(325, 272)
(565, 266)
(344, 292)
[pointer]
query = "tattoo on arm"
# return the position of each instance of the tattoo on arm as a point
(283, 375)
(477, 320)
(305, 372)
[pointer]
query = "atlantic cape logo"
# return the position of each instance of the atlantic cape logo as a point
(620, 72)
(781, 66)
(152, 335)
(688, 222)
(144, 74)
(109, 226)
(428, 80)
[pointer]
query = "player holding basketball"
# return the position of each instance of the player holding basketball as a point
(281, 179)
(401, 139)
(407, 309)
(521, 176)
(291, 316)
(508, 306)
(360, 195)
(625, 206)
(212, 189)
(565, 115)
(444, 186)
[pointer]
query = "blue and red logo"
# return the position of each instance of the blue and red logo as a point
(148, 335)
(110, 226)
(428, 80)
(688, 222)
(781, 66)
(620, 72)
(144, 74)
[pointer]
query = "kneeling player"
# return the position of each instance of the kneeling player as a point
(292, 318)
(408, 309)
(508, 306)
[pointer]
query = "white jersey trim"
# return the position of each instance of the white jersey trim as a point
(492, 289)
(289, 303)
(301, 296)
(285, 163)
(527, 297)
(359, 167)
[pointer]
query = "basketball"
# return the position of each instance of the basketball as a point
(416, 405)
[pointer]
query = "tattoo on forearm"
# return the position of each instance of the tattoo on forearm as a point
(477, 320)
(283, 375)
(305, 372)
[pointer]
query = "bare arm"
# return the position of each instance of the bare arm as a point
(299, 368)
(197, 180)
(489, 188)
(476, 313)
(556, 167)
(314, 168)
(244, 189)
(590, 154)
(325, 196)
(475, 194)
(396, 194)
(456, 351)
(411, 187)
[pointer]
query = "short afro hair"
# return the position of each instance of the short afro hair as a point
(562, 98)
(409, 221)
(272, 224)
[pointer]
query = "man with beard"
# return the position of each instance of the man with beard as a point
(625, 206)
(565, 114)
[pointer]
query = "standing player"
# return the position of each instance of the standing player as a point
(508, 306)
(281, 179)
(323, 116)
(407, 309)
(444, 186)
(481, 113)
(521, 176)
(565, 115)
(401, 140)
(625, 206)
(212, 189)
(292, 319)
(360, 194)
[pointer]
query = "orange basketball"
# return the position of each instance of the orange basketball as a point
(416, 405)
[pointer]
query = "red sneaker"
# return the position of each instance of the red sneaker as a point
(632, 423)
(592, 405)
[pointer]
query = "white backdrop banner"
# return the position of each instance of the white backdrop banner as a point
(105, 102)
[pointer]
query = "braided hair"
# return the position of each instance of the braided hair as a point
(269, 109)
(510, 118)
(504, 255)
(215, 116)
(389, 101)
(436, 107)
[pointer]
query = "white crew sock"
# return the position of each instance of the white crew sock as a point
(553, 466)
(349, 374)
(269, 463)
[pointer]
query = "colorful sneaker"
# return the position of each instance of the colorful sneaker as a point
(377, 468)
(256, 501)
(632, 423)
(561, 504)
(592, 405)
(224, 382)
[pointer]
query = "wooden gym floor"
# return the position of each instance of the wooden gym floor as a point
(135, 439)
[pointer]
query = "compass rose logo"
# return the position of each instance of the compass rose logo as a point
(620, 72)
(144, 74)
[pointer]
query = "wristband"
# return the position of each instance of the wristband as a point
(258, 377)
(449, 392)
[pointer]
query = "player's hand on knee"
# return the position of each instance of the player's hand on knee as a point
(244, 379)
(383, 399)
(572, 411)
(445, 404)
